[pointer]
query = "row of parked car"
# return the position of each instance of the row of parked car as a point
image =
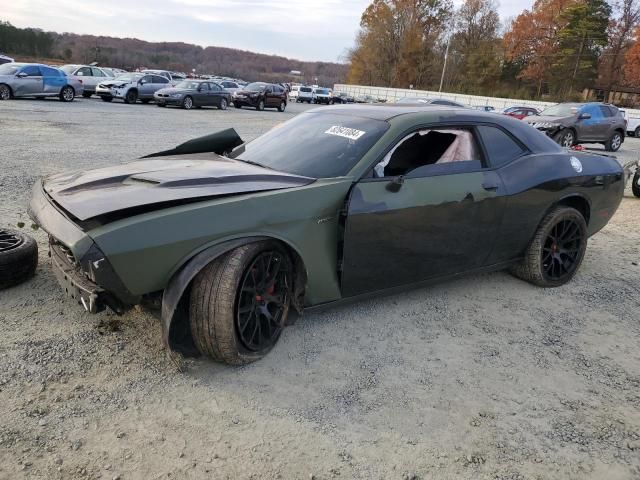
(161, 86)
(569, 124)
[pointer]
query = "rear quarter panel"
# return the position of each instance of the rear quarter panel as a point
(535, 184)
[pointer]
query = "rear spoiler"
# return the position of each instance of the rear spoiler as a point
(220, 142)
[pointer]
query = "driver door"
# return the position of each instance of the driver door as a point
(29, 81)
(436, 220)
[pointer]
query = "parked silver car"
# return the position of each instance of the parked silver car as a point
(132, 87)
(89, 76)
(36, 80)
(171, 76)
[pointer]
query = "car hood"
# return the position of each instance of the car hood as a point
(170, 91)
(161, 182)
(550, 119)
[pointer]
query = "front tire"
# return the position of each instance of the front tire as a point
(565, 138)
(187, 103)
(614, 143)
(131, 97)
(106, 98)
(556, 251)
(635, 184)
(67, 94)
(239, 303)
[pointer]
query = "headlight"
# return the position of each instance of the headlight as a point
(254, 94)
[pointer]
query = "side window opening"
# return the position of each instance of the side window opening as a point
(429, 147)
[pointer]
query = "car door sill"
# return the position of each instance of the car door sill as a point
(407, 287)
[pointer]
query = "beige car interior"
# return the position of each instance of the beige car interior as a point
(428, 147)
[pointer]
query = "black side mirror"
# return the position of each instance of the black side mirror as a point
(396, 184)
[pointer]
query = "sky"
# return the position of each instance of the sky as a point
(301, 29)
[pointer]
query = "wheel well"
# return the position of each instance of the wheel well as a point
(579, 203)
(179, 334)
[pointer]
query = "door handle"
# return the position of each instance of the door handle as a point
(490, 185)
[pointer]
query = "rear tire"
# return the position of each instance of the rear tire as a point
(635, 188)
(18, 257)
(223, 104)
(282, 106)
(67, 94)
(260, 106)
(614, 143)
(556, 251)
(5, 92)
(239, 303)
(636, 133)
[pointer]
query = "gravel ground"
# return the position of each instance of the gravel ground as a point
(487, 377)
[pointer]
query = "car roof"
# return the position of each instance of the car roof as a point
(387, 112)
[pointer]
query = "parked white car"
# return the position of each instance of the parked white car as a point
(132, 87)
(293, 94)
(633, 124)
(305, 94)
(88, 76)
(5, 59)
(166, 74)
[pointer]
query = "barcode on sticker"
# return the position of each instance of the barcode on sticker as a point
(350, 133)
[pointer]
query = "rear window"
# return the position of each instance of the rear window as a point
(317, 145)
(501, 148)
(50, 72)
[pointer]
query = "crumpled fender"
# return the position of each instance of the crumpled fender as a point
(175, 326)
(220, 142)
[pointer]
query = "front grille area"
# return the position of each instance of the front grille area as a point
(65, 251)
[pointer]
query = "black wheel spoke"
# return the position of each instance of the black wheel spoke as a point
(561, 249)
(262, 300)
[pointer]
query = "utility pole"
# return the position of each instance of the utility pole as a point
(444, 67)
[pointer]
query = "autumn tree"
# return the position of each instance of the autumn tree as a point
(580, 42)
(626, 18)
(475, 51)
(532, 40)
(632, 61)
(397, 42)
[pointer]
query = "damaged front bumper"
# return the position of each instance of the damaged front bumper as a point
(80, 267)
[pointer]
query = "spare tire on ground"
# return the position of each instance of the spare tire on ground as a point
(18, 257)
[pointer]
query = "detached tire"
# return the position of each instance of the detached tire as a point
(239, 303)
(556, 251)
(635, 183)
(18, 257)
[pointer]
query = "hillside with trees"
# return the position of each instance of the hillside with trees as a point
(552, 51)
(131, 53)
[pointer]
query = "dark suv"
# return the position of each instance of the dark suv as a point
(260, 95)
(573, 123)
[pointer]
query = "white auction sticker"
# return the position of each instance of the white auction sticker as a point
(350, 133)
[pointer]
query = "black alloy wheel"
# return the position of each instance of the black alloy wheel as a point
(562, 250)
(263, 301)
(9, 240)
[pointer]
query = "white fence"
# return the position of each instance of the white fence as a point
(392, 94)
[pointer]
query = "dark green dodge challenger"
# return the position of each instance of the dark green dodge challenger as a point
(335, 204)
